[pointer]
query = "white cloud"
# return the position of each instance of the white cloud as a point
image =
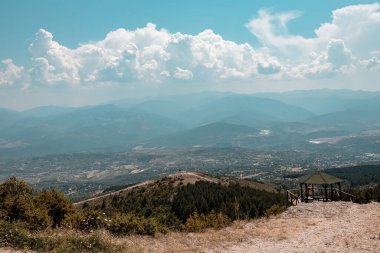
(372, 63)
(183, 74)
(54, 63)
(146, 55)
(357, 25)
(339, 47)
(347, 44)
(338, 54)
(269, 67)
(11, 74)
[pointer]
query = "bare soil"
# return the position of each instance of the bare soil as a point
(313, 227)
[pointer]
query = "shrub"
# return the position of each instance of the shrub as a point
(274, 210)
(92, 243)
(19, 202)
(199, 222)
(88, 220)
(125, 224)
(233, 200)
(56, 204)
(14, 236)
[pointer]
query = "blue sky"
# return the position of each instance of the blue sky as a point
(74, 22)
(79, 47)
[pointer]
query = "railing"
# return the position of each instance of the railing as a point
(294, 196)
(347, 196)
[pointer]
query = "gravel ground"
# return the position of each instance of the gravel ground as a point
(313, 227)
(317, 227)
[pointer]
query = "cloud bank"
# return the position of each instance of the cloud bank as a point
(347, 45)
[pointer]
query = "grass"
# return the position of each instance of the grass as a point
(13, 235)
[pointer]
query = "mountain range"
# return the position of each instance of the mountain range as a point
(290, 120)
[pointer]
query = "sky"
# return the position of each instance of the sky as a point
(87, 52)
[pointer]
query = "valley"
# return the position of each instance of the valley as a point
(86, 150)
(84, 174)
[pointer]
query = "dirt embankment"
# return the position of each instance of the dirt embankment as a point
(313, 227)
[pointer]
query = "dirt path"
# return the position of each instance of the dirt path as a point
(318, 227)
(314, 227)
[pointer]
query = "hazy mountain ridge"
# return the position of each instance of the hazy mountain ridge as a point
(263, 120)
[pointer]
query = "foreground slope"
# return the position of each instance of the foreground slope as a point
(313, 227)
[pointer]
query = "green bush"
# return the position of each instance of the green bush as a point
(125, 224)
(39, 210)
(233, 200)
(91, 243)
(86, 221)
(274, 210)
(366, 195)
(15, 236)
(55, 203)
(199, 222)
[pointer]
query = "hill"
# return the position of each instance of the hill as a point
(363, 117)
(243, 109)
(176, 180)
(218, 134)
(173, 209)
(312, 227)
(323, 101)
(99, 128)
(313, 121)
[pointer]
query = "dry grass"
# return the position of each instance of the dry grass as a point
(316, 227)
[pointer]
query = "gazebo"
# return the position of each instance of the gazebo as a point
(319, 186)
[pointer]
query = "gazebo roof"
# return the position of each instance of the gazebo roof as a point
(319, 178)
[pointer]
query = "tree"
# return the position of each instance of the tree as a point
(15, 199)
(56, 204)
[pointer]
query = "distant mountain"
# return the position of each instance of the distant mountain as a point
(8, 117)
(275, 121)
(217, 134)
(323, 101)
(99, 128)
(45, 111)
(363, 117)
(171, 106)
(243, 109)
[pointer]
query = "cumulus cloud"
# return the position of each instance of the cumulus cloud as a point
(151, 55)
(269, 67)
(341, 46)
(357, 25)
(372, 63)
(11, 74)
(335, 59)
(338, 54)
(53, 63)
(183, 74)
(146, 55)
